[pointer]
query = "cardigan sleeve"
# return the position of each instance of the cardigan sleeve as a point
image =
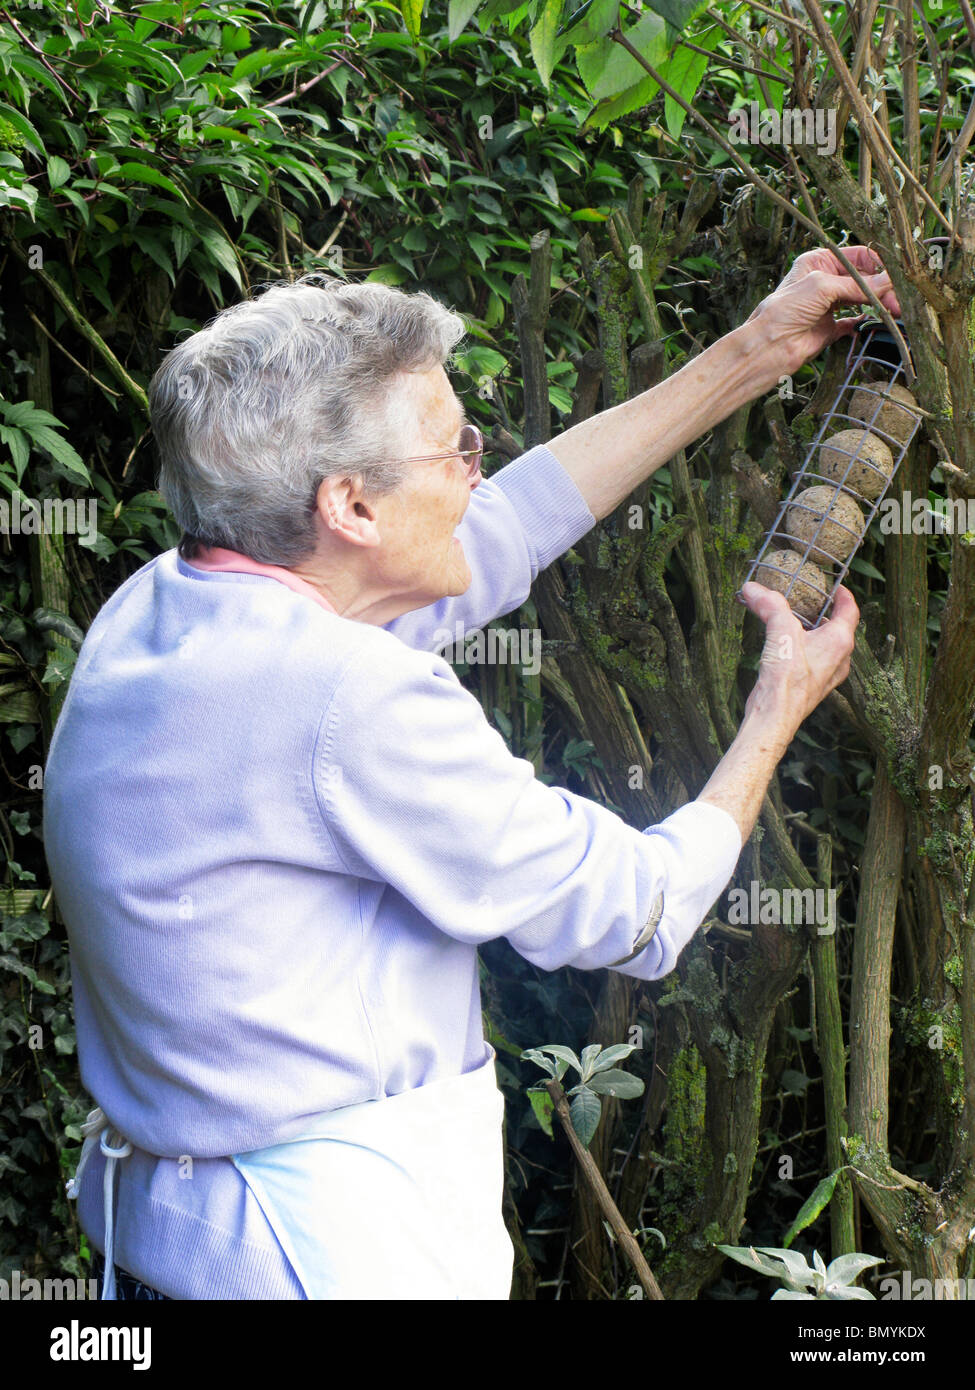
(518, 521)
(417, 790)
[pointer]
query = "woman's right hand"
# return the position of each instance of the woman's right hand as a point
(799, 667)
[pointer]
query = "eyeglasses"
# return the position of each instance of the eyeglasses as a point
(470, 447)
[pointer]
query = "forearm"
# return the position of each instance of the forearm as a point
(611, 454)
(740, 781)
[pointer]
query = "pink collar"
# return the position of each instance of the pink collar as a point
(216, 558)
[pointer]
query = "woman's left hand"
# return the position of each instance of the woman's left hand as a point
(798, 314)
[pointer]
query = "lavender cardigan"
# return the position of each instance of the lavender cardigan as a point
(277, 836)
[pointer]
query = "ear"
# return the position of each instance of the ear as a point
(345, 513)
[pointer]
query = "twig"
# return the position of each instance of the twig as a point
(132, 388)
(305, 86)
(776, 14)
(610, 1210)
(91, 377)
(40, 54)
(725, 61)
(769, 192)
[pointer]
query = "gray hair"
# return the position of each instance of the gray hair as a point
(305, 382)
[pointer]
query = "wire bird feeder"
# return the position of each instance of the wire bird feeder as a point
(868, 425)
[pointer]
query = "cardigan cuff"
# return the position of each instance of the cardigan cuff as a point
(552, 511)
(701, 844)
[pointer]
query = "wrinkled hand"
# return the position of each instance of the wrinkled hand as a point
(798, 315)
(799, 667)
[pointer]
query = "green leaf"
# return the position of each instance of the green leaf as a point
(591, 21)
(617, 1083)
(58, 171)
(684, 73)
(799, 1272)
(812, 1206)
(679, 13)
(608, 70)
(24, 128)
(388, 274)
(144, 173)
(565, 1054)
(19, 967)
(51, 620)
(458, 16)
(194, 63)
(19, 446)
(152, 244)
(795, 1083)
(846, 1268)
(769, 1262)
(609, 1056)
(862, 566)
(411, 10)
(59, 667)
(313, 16)
(584, 1112)
(545, 44)
(221, 252)
(71, 462)
(544, 1108)
(251, 63)
(532, 1054)
(612, 108)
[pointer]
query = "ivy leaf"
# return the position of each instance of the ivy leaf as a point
(51, 620)
(59, 667)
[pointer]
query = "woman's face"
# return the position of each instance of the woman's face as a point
(419, 557)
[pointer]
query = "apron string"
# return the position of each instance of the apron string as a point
(98, 1129)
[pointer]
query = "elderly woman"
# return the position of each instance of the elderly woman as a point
(278, 826)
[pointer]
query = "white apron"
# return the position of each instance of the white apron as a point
(398, 1198)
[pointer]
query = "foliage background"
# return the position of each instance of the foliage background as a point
(160, 161)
